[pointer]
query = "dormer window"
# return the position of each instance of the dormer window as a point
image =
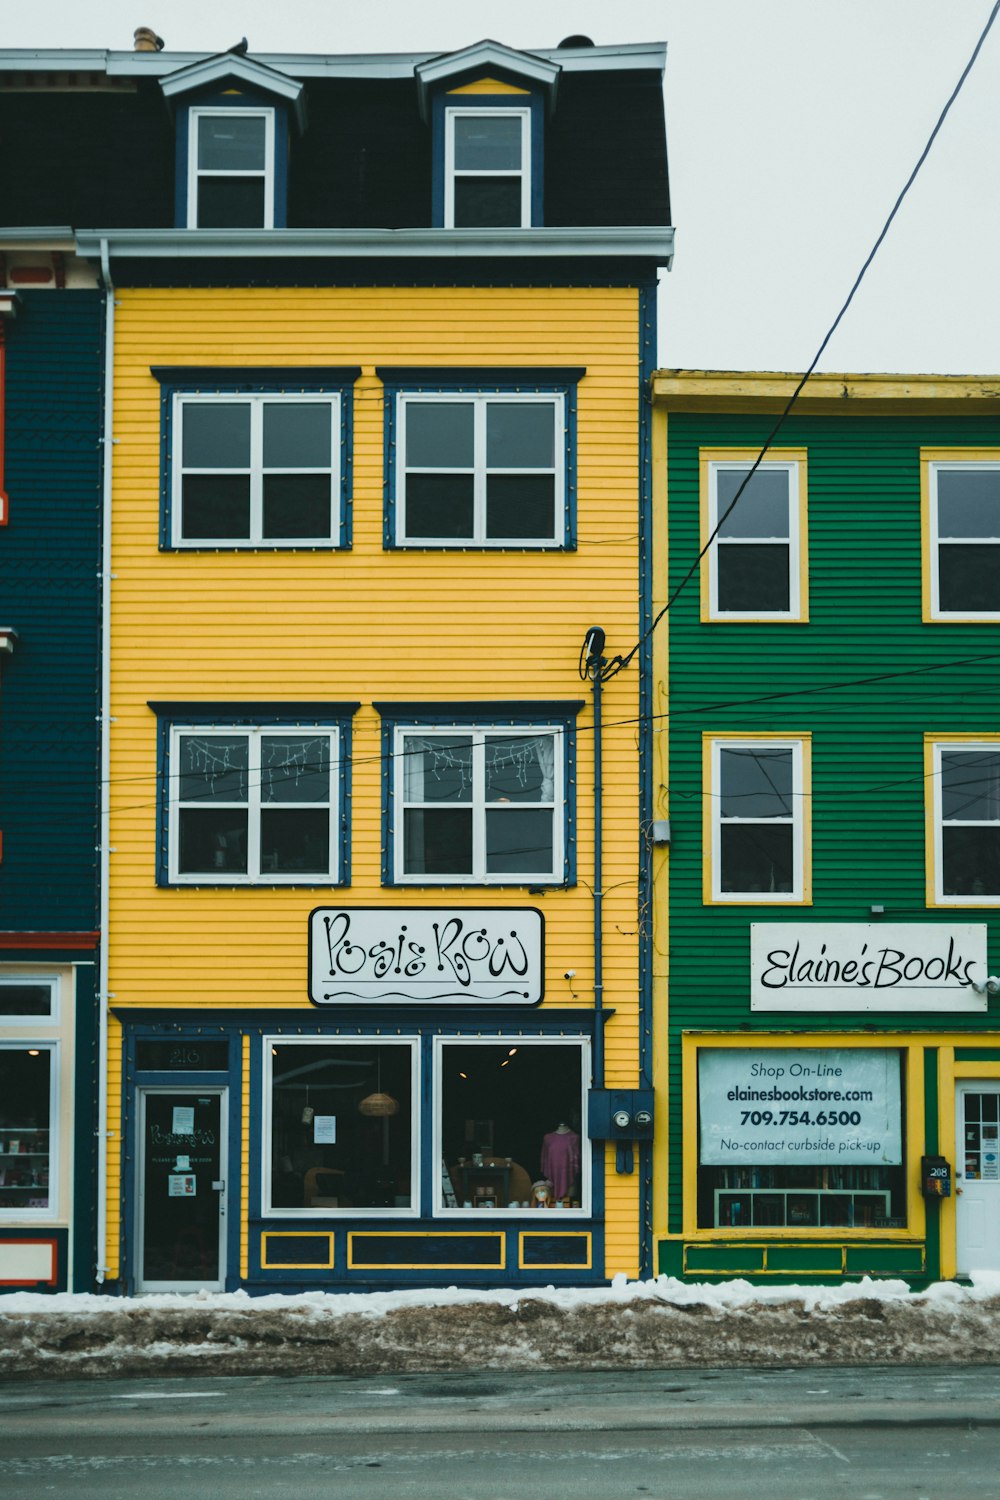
(487, 107)
(231, 169)
(487, 168)
(234, 117)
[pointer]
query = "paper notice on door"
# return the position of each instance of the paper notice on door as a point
(325, 1130)
(183, 1119)
(182, 1185)
(991, 1164)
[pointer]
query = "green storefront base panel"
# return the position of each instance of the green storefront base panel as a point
(805, 1260)
(884, 1260)
(670, 1258)
(724, 1260)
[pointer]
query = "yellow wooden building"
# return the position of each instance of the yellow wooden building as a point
(376, 913)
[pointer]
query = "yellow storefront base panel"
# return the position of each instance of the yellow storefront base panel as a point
(282, 1237)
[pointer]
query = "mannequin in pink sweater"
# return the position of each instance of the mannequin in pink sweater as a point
(561, 1160)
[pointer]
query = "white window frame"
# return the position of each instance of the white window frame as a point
(934, 468)
(266, 1150)
(480, 401)
(798, 821)
(51, 1045)
(195, 173)
(451, 172)
(256, 400)
(253, 805)
(51, 982)
(478, 733)
(936, 893)
(794, 540)
(514, 1039)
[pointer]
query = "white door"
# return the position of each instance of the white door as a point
(977, 1173)
(181, 1205)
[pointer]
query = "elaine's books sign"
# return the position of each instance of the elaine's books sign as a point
(864, 966)
(426, 955)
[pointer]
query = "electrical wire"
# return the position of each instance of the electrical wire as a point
(619, 663)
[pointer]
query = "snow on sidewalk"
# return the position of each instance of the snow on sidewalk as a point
(661, 1323)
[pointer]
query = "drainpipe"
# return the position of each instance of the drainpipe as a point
(105, 764)
(592, 664)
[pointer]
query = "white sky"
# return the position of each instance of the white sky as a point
(792, 125)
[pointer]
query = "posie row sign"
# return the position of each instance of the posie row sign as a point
(426, 955)
(863, 966)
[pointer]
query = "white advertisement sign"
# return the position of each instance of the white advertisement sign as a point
(426, 955)
(804, 1106)
(862, 966)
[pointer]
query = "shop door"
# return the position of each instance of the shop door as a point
(977, 1203)
(181, 1211)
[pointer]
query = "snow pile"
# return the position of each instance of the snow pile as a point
(654, 1324)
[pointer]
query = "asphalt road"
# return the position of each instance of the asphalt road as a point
(883, 1434)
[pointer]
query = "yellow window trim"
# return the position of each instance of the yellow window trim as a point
(708, 739)
(799, 456)
(931, 805)
(553, 1265)
(438, 1265)
(488, 86)
(299, 1265)
(913, 1104)
(930, 456)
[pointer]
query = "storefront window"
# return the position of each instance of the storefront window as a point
(27, 1075)
(801, 1138)
(510, 1126)
(341, 1126)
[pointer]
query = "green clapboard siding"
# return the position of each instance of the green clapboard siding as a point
(838, 678)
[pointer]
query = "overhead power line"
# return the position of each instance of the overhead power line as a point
(618, 663)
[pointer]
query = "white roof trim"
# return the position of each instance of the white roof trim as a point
(488, 55)
(226, 65)
(118, 64)
(647, 242)
(42, 237)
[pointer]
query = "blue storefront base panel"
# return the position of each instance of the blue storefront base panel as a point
(356, 1256)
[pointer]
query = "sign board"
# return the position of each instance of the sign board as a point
(426, 955)
(864, 966)
(807, 1106)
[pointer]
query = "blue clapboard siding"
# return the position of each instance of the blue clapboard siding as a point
(49, 593)
(867, 736)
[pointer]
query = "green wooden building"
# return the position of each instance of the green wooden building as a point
(825, 834)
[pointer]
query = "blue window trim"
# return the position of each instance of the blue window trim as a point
(427, 381)
(244, 715)
(228, 380)
(560, 713)
(445, 98)
(251, 99)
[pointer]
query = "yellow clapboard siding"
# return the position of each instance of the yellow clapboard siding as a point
(365, 625)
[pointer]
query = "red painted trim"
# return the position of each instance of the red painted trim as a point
(30, 275)
(86, 940)
(35, 1280)
(4, 506)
